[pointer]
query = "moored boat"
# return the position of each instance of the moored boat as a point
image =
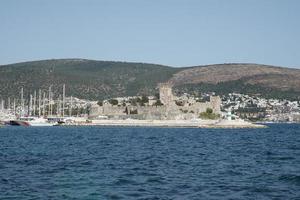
(30, 121)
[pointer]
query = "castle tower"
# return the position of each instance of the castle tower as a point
(216, 104)
(165, 94)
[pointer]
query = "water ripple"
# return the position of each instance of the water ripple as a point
(149, 163)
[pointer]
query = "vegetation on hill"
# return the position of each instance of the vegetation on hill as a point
(83, 78)
(239, 86)
(98, 80)
(253, 79)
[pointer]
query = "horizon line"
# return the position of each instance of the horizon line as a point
(149, 63)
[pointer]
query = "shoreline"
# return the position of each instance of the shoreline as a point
(171, 123)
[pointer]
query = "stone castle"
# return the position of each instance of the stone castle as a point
(170, 107)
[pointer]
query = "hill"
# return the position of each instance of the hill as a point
(96, 80)
(83, 78)
(265, 80)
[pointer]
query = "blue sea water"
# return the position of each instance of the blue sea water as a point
(150, 163)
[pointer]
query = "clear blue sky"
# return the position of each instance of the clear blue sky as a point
(170, 32)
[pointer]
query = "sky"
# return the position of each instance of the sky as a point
(169, 32)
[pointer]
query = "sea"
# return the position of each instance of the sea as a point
(149, 163)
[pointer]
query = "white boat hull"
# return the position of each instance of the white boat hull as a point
(31, 121)
(41, 124)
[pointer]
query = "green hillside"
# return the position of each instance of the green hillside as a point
(96, 80)
(83, 78)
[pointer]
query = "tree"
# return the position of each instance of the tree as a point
(209, 110)
(100, 103)
(157, 95)
(145, 99)
(88, 109)
(179, 103)
(209, 114)
(113, 101)
(138, 99)
(158, 103)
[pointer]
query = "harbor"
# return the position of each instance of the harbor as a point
(41, 109)
(55, 109)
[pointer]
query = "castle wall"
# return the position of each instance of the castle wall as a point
(107, 110)
(157, 112)
(198, 107)
(113, 110)
(168, 111)
(95, 111)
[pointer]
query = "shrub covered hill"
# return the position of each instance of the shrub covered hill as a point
(90, 79)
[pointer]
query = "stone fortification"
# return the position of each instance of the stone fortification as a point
(169, 110)
(165, 94)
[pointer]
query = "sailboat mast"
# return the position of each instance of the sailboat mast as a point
(49, 102)
(44, 96)
(71, 104)
(39, 103)
(2, 104)
(34, 103)
(63, 100)
(14, 106)
(30, 105)
(22, 101)
(8, 103)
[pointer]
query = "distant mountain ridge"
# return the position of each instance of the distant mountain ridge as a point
(97, 80)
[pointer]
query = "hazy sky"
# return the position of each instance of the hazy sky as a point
(170, 32)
